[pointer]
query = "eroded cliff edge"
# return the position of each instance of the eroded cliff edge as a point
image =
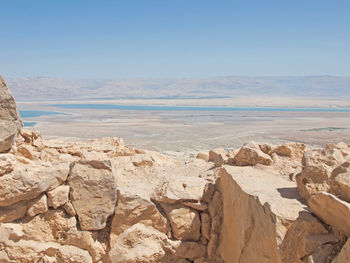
(102, 201)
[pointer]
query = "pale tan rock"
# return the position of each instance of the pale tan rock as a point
(205, 220)
(217, 156)
(261, 212)
(173, 189)
(341, 146)
(133, 209)
(344, 254)
(139, 243)
(58, 196)
(26, 151)
(93, 193)
(10, 122)
(26, 183)
(84, 240)
(50, 226)
(30, 136)
(266, 148)
(68, 207)
(25, 251)
(208, 192)
(313, 179)
(189, 250)
(250, 154)
(13, 212)
(332, 211)
(315, 176)
(37, 206)
(141, 160)
(185, 222)
(309, 234)
(6, 164)
(293, 150)
(340, 185)
(203, 156)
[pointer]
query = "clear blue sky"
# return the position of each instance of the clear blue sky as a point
(173, 38)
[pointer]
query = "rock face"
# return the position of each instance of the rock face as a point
(10, 122)
(93, 193)
(263, 220)
(251, 154)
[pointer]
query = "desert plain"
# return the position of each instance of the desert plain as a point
(184, 133)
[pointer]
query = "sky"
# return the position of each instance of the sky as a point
(173, 38)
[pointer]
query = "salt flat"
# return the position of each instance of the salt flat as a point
(192, 131)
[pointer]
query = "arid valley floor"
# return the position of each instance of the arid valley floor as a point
(178, 132)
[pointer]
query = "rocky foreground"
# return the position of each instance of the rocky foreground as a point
(101, 201)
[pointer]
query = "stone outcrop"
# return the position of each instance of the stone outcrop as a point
(101, 201)
(93, 193)
(251, 154)
(10, 122)
(264, 221)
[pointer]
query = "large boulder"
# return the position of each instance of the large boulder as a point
(185, 222)
(293, 150)
(10, 122)
(263, 220)
(184, 188)
(332, 211)
(250, 154)
(28, 182)
(317, 168)
(133, 209)
(93, 193)
(139, 243)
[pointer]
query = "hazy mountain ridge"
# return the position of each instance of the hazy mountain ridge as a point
(43, 88)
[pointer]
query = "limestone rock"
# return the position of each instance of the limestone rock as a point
(26, 151)
(318, 165)
(11, 213)
(93, 193)
(30, 136)
(6, 164)
(293, 150)
(332, 211)
(183, 188)
(340, 186)
(261, 212)
(189, 250)
(217, 156)
(68, 207)
(37, 206)
(139, 243)
(251, 154)
(133, 209)
(26, 183)
(58, 196)
(85, 240)
(10, 122)
(185, 222)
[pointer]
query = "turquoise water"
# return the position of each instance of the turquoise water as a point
(37, 113)
(192, 108)
(29, 124)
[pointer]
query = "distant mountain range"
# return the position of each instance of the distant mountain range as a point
(43, 88)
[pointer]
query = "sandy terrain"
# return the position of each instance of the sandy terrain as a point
(180, 131)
